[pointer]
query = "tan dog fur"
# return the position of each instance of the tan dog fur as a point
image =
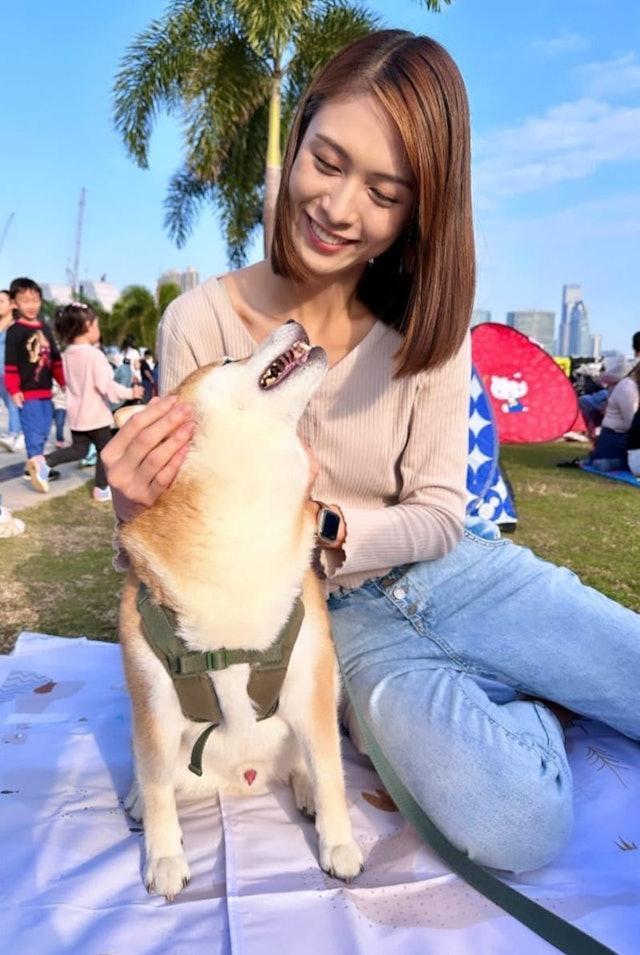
(228, 548)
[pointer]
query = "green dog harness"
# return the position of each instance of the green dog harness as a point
(190, 670)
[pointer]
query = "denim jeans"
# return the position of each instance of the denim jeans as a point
(59, 418)
(610, 452)
(438, 656)
(35, 417)
(14, 414)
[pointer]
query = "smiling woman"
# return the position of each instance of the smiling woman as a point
(373, 255)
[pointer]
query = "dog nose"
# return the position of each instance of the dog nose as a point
(250, 775)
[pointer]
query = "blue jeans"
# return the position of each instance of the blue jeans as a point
(14, 414)
(35, 417)
(59, 418)
(610, 452)
(438, 656)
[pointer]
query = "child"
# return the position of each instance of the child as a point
(14, 440)
(32, 360)
(90, 388)
(59, 399)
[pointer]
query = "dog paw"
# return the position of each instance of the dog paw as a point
(133, 803)
(166, 876)
(303, 794)
(342, 862)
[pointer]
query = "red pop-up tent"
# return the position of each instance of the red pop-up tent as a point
(532, 398)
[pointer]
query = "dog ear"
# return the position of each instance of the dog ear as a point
(122, 415)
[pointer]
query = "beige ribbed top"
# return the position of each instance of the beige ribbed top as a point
(392, 452)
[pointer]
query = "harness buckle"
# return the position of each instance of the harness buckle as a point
(216, 659)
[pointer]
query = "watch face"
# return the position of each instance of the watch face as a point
(329, 525)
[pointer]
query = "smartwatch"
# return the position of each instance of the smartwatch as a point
(328, 525)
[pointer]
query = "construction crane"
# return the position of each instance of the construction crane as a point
(6, 229)
(76, 258)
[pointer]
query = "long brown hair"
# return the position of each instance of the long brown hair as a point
(424, 284)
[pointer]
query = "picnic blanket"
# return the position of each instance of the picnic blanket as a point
(70, 878)
(625, 476)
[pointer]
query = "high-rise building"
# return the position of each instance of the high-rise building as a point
(57, 292)
(571, 294)
(579, 335)
(596, 345)
(535, 324)
(102, 292)
(479, 316)
(184, 280)
(189, 279)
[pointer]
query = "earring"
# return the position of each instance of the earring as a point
(370, 261)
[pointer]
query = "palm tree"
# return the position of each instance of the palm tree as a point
(232, 71)
(135, 313)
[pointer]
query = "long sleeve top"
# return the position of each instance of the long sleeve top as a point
(392, 451)
(90, 388)
(31, 360)
(622, 405)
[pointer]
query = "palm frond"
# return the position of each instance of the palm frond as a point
(225, 89)
(157, 64)
(332, 25)
(269, 24)
(434, 5)
(239, 189)
(182, 204)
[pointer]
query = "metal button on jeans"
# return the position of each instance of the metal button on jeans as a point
(399, 592)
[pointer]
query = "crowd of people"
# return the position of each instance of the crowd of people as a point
(54, 376)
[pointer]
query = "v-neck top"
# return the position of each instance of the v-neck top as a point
(392, 451)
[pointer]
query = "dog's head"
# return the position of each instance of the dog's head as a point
(243, 485)
(276, 382)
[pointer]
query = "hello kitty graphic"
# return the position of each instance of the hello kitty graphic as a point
(509, 391)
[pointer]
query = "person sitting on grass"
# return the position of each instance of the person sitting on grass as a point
(90, 388)
(610, 451)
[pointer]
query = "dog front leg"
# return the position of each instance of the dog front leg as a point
(313, 718)
(157, 730)
(157, 748)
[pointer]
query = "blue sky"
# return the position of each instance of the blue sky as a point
(554, 89)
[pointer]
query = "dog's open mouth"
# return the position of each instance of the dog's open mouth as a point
(284, 364)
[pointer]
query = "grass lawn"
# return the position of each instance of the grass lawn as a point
(57, 578)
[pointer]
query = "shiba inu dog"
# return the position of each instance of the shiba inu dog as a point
(227, 550)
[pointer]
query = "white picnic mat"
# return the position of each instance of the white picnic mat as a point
(70, 867)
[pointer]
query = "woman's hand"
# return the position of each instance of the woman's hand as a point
(144, 457)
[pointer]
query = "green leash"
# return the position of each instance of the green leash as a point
(563, 935)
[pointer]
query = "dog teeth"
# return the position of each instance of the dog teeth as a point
(296, 354)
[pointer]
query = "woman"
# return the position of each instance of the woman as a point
(610, 451)
(441, 637)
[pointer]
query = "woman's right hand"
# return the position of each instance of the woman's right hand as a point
(144, 457)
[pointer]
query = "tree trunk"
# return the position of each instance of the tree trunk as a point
(274, 163)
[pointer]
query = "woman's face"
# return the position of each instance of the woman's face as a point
(350, 189)
(5, 305)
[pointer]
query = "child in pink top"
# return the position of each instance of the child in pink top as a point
(90, 387)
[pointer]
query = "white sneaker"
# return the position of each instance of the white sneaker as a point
(10, 526)
(12, 442)
(102, 494)
(39, 473)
